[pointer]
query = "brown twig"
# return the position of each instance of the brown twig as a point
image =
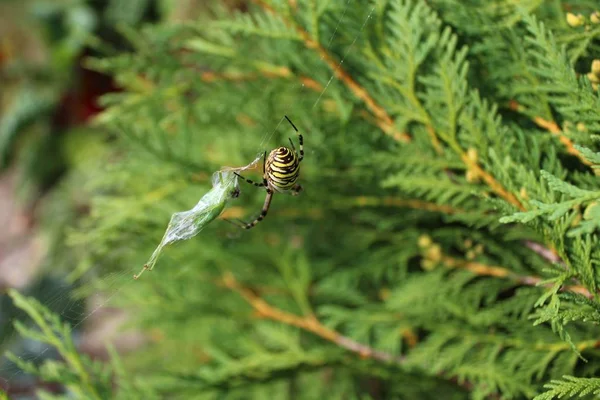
(554, 129)
(501, 272)
(496, 187)
(277, 72)
(435, 141)
(384, 121)
(211, 76)
(546, 253)
(308, 323)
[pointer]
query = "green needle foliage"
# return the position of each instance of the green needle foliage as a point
(447, 237)
(82, 377)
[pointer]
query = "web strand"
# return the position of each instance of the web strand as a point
(344, 57)
(267, 137)
(338, 24)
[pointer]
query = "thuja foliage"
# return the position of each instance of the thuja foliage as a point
(447, 237)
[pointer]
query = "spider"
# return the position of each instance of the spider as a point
(280, 173)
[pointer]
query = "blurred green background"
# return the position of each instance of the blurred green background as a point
(47, 99)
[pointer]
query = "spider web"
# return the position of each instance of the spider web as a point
(183, 225)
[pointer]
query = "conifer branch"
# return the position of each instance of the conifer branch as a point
(435, 141)
(470, 160)
(555, 130)
(496, 187)
(546, 253)
(553, 347)
(570, 387)
(502, 272)
(308, 323)
(384, 121)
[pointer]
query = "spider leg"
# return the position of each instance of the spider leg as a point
(296, 189)
(251, 181)
(300, 139)
(264, 211)
(236, 222)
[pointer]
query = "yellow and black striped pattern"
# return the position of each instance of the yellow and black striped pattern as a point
(280, 173)
(282, 169)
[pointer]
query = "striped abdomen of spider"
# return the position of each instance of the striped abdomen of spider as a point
(281, 169)
(280, 173)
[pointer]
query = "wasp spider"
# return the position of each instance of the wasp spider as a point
(280, 173)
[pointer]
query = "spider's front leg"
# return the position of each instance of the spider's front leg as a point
(263, 183)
